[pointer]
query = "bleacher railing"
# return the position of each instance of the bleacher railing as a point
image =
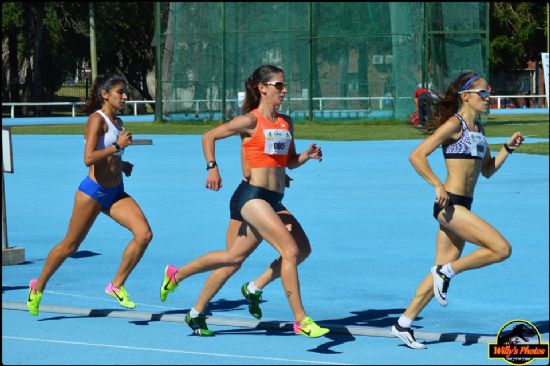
(502, 101)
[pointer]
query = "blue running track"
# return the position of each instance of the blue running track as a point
(367, 214)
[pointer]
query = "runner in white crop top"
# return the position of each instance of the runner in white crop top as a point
(110, 137)
(101, 191)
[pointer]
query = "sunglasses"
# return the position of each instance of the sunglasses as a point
(279, 85)
(481, 92)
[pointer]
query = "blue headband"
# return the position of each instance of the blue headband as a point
(468, 82)
(106, 85)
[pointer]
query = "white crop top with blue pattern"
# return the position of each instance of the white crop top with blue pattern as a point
(470, 145)
(110, 136)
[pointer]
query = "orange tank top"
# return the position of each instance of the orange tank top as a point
(268, 146)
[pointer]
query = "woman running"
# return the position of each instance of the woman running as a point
(455, 126)
(269, 148)
(101, 191)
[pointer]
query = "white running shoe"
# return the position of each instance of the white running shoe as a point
(441, 285)
(407, 336)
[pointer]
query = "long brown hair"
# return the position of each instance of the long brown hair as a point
(101, 82)
(261, 75)
(444, 107)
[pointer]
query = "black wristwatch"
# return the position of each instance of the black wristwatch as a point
(508, 149)
(117, 146)
(211, 164)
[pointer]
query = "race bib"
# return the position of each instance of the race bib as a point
(478, 144)
(277, 142)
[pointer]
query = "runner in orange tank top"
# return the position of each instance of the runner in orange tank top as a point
(269, 149)
(277, 137)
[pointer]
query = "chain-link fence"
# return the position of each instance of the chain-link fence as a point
(343, 60)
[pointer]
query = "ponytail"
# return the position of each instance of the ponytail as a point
(446, 106)
(252, 95)
(101, 82)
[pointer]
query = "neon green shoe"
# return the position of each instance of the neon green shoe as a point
(253, 300)
(33, 301)
(121, 295)
(169, 283)
(198, 325)
(309, 328)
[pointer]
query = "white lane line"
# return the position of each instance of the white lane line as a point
(108, 299)
(226, 355)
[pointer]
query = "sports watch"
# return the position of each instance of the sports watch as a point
(211, 164)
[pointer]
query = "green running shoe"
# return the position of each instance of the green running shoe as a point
(309, 328)
(253, 300)
(33, 301)
(121, 295)
(198, 325)
(169, 283)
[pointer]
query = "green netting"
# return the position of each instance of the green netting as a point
(341, 60)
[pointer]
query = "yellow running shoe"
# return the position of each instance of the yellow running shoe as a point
(33, 301)
(169, 283)
(309, 328)
(121, 295)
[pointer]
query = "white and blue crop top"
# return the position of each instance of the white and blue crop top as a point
(470, 145)
(110, 136)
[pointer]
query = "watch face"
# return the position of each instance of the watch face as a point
(211, 164)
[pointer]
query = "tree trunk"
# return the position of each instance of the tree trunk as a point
(38, 84)
(14, 67)
(141, 87)
(26, 65)
(167, 60)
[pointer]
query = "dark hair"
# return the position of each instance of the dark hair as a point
(101, 82)
(444, 107)
(261, 75)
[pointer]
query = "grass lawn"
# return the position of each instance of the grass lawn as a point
(534, 126)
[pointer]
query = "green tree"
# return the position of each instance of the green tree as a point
(125, 33)
(12, 18)
(517, 34)
(48, 41)
(65, 44)
(43, 43)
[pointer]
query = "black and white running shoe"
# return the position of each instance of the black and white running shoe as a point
(441, 285)
(407, 336)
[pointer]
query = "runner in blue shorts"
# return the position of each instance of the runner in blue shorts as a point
(101, 191)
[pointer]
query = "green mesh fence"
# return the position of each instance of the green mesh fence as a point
(341, 60)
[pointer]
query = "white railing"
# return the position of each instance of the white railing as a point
(194, 102)
(208, 102)
(499, 97)
(73, 105)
